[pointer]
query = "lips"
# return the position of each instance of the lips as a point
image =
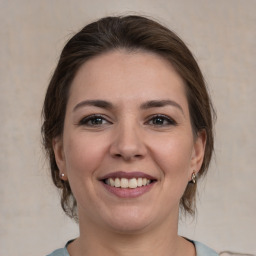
(128, 184)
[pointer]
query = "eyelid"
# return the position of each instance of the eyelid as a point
(169, 119)
(91, 117)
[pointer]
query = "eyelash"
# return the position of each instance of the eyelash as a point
(91, 118)
(169, 120)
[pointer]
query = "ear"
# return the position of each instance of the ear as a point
(198, 152)
(57, 144)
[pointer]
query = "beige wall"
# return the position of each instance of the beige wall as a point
(222, 35)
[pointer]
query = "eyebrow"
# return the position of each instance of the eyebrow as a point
(146, 105)
(160, 103)
(95, 103)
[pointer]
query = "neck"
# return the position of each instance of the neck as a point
(161, 240)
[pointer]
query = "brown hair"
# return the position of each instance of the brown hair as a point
(132, 33)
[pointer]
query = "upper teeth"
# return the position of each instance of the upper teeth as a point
(127, 183)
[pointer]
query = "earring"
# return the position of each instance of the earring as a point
(193, 177)
(62, 175)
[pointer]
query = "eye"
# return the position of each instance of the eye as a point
(94, 120)
(161, 120)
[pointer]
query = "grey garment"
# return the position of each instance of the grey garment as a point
(60, 252)
(201, 250)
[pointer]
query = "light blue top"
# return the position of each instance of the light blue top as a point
(201, 250)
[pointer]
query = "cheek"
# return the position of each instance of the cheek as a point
(83, 154)
(173, 156)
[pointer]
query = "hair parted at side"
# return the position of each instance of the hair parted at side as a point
(131, 33)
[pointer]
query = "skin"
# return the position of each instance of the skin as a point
(130, 138)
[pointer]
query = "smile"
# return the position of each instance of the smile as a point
(127, 183)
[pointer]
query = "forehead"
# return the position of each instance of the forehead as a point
(122, 75)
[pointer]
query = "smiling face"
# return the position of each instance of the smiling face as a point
(128, 149)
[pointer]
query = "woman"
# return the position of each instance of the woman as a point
(128, 130)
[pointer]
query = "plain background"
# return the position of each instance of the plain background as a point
(222, 36)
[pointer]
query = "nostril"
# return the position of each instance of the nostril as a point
(127, 150)
(128, 157)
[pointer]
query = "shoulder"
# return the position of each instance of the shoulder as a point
(203, 250)
(59, 252)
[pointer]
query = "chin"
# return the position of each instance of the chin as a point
(129, 227)
(129, 221)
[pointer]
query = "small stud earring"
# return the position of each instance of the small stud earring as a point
(193, 177)
(62, 175)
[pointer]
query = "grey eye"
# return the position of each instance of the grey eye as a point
(93, 120)
(161, 120)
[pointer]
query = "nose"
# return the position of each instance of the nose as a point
(128, 143)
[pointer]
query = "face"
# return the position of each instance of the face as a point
(128, 149)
